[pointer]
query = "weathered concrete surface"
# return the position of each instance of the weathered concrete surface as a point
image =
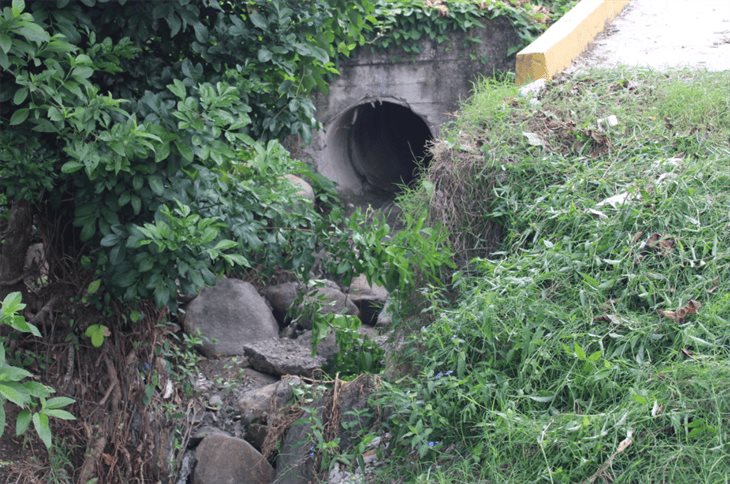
(429, 85)
(663, 34)
(554, 50)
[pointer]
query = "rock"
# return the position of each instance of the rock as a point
(532, 89)
(256, 434)
(256, 379)
(215, 401)
(186, 467)
(256, 405)
(295, 462)
(331, 300)
(230, 314)
(204, 431)
(329, 297)
(227, 460)
(370, 299)
(282, 297)
(385, 318)
(283, 356)
(294, 465)
(304, 189)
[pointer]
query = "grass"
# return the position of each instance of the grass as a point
(584, 339)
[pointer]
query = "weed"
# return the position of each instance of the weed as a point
(588, 339)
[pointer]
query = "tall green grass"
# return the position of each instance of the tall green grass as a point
(554, 358)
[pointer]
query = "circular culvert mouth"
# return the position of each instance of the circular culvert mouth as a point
(375, 148)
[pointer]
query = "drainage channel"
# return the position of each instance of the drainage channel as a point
(374, 149)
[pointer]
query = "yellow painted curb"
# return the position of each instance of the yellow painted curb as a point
(555, 49)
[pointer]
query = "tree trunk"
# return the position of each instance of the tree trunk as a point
(14, 242)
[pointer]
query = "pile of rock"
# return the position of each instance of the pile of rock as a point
(268, 339)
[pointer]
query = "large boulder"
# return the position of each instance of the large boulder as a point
(328, 296)
(303, 188)
(369, 298)
(229, 315)
(257, 404)
(227, 460)
(282, 298)
(257, 407)
(284, 356)
(295, 462)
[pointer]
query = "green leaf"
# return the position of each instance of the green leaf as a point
(15, 393)
(34, 33)
(258, 20)
(93, 287)
(21, 422)
(38, 390)
(19, 116)
(2, 418)
(81, 73)
(109, 240)
(5, 43)
(136, 204)
(264, 55)
(59, 402)
(40, 423)
(13, 373)
(236, 259)
(177, 88)
(12, 303)
(97, 333)
(579, 351)
(156, 185)
(62, 414)
(225, 245)
(185, 150)
(20, 95)
(18, 7)
(71, 167)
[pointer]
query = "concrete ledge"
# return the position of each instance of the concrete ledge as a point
(555, 49)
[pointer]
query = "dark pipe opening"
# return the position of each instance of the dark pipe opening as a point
(387, 144)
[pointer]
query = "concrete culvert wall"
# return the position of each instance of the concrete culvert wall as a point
(376, 147)
(385, 104)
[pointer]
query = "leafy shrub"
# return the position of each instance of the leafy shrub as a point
(405, 23)
(15, 387)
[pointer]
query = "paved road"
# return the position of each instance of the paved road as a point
(666, 34)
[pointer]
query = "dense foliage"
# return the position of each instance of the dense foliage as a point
(590, 343)
(406, 23)
(152, 127)
(141, 142)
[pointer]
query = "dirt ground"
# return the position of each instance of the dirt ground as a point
(663, 34)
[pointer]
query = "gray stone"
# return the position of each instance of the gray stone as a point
(282, 297)
(304, 189)
(331, 300)
(227, 460)
(295, 462)
(230, 314)
(256, 405)
(294, 465)
(370, 299)
(215, 401)
(385, 318)
(328, 296)
(202, 432)
(283, 356)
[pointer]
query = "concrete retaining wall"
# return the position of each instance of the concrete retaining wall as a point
(419, 91)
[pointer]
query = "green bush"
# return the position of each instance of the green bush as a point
(29, 396)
